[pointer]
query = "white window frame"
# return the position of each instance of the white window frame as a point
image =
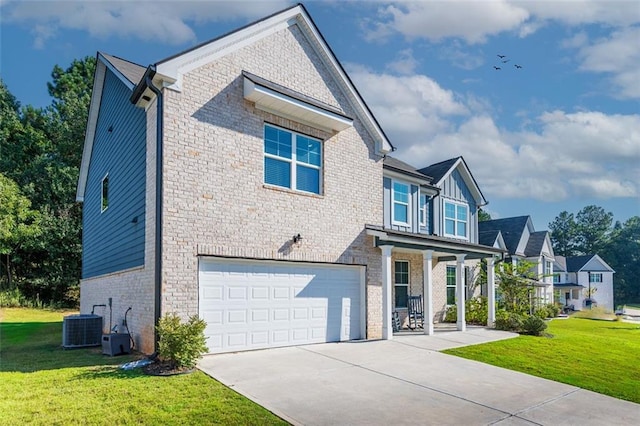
(448, 286)
(455, 220)
(594, 275)
(548, 268)
(393, 202)
(104, 207)
(395, 284)
(293, 161)
(422, 209)
(556, 278)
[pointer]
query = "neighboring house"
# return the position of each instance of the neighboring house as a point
(583, 281)
(523, 242)
(241, 181)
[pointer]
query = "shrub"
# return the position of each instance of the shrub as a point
(181, 343)
(476, 311)
(553, 309)
(542, 312)
(533, 325)
(509, 321)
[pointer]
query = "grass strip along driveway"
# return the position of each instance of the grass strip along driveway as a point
(40, 383)
(602, 356)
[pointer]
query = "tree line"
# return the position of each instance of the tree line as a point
(592, 231)
(40, 155)
(41, 224)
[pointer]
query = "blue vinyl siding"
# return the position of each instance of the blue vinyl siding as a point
(113, 240)
(414, 202)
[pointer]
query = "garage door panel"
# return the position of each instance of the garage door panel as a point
(260, 304)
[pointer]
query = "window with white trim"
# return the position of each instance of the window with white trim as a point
(451, 285)
(104, 198)
(423, 210)
(456, 219)
(292, 160)
(548, 268)
(556, 278)
(401, 203)
(595, 277)
(401, 283)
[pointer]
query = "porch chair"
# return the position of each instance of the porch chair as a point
(415, 312)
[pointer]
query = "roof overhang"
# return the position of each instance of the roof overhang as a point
(465, 172)
(394, 173)
(276, 99)
(444, 249)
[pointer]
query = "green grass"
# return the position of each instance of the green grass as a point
(40, 383)
(602, 356)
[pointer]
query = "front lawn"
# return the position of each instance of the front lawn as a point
(602, 356)
(40, 383)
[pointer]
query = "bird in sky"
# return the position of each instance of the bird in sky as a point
(502, 56)
(497, 68)
(517, 66)
(505, 61)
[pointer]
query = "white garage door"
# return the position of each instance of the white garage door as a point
(251, 304)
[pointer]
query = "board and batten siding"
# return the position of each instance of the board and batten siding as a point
(454, 188)
(113, 240)
(414, 205)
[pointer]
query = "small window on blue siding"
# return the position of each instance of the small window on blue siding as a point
(104, 203)
(291, 160)
(401, 203)
(455, 220)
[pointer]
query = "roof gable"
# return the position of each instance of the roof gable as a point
(492, 238)
(396, 166)
(515, 231)
(589, 262)
(440, 171)
(539, 244)
(171, 70)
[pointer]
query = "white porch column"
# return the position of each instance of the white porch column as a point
(387, 326)
(460, 293)
(427, 290)
(491, 292)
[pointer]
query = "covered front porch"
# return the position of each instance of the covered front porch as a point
(433, 251)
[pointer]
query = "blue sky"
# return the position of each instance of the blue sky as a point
(558, 134)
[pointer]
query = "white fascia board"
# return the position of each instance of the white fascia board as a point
(281, 104)
(468, 180)
(116, 72)
(405, 178)
(441, 245)
(384, 146)
(92, 121)
(175, 68)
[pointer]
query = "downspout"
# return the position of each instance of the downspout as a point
(158, 245)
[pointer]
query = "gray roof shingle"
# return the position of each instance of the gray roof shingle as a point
(438, 170)
(402, 167)
(510, 227)
(132, 71)
(488, 238)
(535, 243)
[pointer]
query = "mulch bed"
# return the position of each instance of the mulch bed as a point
(165, 368)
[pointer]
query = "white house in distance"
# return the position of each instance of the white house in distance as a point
(583, 281)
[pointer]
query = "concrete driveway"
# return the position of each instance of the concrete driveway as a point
(407, 381)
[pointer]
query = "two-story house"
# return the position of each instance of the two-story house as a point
(237, 181)
(523, 242)
(581, 282)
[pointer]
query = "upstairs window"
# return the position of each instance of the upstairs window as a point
(456, 220)
(556, 278)
(104, 203)
(548, 268)
(423, 210)
(595, 278)
(292, 160)
(401, 197)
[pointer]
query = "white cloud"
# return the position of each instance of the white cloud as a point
(587, 153)
(616, 55)
(405, 63)
(435, 21)
(165, 21)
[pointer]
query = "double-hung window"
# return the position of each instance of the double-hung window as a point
(595, 277)
(556, 278)
(292, 160)
(401, 283)
(401, 203)
(423, 210)
(456, 219)
(548, 268)
(451, 285)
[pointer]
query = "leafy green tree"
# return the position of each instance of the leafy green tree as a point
(564, 233)
(483, 216)
(622, 253)
(18, 222)
(593, 226)
(515, 286)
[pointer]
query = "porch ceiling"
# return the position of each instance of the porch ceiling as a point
(444, 249)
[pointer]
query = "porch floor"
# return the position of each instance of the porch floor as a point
(446, 336)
